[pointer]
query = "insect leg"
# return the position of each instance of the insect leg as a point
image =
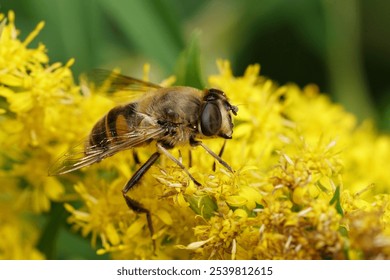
(220, 160)
(171, 157)
(220, 153)
(135, 205)
(189, 158)
(180, 157)
(135, 157)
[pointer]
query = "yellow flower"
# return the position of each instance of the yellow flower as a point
(42, 113)
(303, 188)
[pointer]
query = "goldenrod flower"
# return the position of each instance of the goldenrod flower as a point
(309, 182)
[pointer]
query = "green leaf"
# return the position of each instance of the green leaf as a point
(204, 205)
(336, 200)
(148, 26)
(188, 69)
(48, 239)
(72, 246)
(322, 187)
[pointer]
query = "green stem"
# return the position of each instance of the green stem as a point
(49, 236)
(344, 57)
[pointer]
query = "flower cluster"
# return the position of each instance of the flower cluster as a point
(41, 113)
(308, 181)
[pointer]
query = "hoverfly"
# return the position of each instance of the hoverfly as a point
(168, 117)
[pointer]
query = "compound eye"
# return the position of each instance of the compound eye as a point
(211, 119)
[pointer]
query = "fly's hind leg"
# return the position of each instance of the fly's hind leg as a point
(135, 205)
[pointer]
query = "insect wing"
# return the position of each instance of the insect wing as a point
(80, 156)
(74, 159)
(113, 81)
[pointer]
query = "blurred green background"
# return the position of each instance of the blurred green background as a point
(342, 46)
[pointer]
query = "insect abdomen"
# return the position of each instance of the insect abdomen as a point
(118, 121)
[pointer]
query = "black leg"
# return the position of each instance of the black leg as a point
(135, 205)
(220, 153)
(135, 157)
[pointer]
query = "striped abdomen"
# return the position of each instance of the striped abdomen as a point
(118, 121)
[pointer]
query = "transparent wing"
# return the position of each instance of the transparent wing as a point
(112, 82)
(81, 155)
